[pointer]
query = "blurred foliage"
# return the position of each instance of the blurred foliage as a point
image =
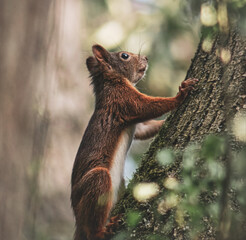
(133, 218)
(165, 157)
(167, 31)
(201, 192)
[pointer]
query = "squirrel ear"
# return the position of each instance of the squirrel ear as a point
(100, 53)
(91, 64)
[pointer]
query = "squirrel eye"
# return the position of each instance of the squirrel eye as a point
(124, 56)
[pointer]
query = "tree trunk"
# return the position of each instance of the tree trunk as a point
(219, 95)
(26, 36)
(40, 81)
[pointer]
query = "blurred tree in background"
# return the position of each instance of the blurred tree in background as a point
(44, 93)
(46, 101)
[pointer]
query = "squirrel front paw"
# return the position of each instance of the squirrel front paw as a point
(185, 88)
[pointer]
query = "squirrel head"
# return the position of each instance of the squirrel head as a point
(123, 64)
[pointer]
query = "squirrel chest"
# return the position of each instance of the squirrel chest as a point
(117, 168)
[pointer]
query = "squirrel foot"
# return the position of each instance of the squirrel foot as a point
(108, 231)
(116, 219)
(113, 223)
(104, 234)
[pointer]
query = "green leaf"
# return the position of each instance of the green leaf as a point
(133, 218)
(213, 147)
(216, 170)
(189, 157)
(165, 157)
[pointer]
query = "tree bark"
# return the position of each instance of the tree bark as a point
(219, 95)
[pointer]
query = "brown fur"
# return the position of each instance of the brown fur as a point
(118, 106)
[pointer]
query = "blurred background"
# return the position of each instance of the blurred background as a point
(46, 99)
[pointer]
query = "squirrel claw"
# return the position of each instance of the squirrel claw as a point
(189, 82)
(102, 235)
(113, 224)
(116, 218)
(186, 86)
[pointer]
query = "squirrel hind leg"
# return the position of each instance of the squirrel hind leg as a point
(104, 234)
(92, 211)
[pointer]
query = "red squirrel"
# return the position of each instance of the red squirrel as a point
(121, 113)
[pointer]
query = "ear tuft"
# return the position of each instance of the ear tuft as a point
(100, 53)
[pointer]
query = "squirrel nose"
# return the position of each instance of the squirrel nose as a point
(146, 58)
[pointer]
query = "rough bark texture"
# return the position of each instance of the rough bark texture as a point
(219, 94)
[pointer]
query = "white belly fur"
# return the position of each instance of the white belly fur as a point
(117, 168)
